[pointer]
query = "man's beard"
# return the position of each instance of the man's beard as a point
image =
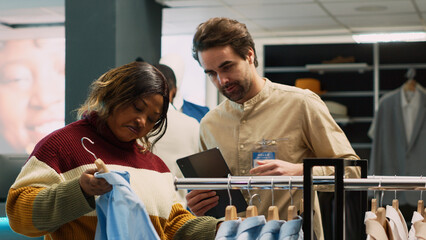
(238, 93)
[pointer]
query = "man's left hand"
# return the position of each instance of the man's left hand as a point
(277, 168)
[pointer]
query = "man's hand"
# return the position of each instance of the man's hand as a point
(200, 201)
(93, 186)
(277, 168)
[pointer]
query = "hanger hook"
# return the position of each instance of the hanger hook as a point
(272, 191)
(251, 199)
(251, 196)
(374, 189)
(289, 190)
(248, 188)
(395, 191)
(82, 143)
(382, 192)
(229, 189)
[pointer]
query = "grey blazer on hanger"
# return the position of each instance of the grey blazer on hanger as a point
(391, 154)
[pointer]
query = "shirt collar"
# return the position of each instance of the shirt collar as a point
(416, 96)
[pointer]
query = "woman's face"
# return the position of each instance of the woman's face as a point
(32, 86)
(136, 120)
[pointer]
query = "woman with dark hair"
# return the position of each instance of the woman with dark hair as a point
(124, 115)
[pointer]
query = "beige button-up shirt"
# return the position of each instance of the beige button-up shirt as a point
(294, 122)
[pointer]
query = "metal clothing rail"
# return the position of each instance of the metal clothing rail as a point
(382, 183)
(307, 181)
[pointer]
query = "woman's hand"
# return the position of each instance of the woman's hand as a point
(91, 185)
(277, 168)
(200, 201)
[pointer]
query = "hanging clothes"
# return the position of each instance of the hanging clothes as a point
(420, 227)
(121, 214)
(392, 154)
(397, 223)
(375, 230)
(417, 217)
(292, 230)
(228, 230)
(271, 230)
(250, 228)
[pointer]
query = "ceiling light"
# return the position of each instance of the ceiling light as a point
(390, 37)
(371, 8)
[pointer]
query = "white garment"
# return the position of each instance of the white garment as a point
(180, 140)
(373, 228)
(416, 217)
(397, 223)
(410, 104)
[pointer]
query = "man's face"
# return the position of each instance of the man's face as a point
(32, 91)
(229, 72)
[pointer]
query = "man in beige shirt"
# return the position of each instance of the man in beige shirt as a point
(261, 120)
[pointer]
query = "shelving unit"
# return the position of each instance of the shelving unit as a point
(377, 70)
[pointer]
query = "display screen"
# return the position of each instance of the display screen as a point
(32, 91)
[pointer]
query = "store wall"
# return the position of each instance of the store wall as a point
(104, 34)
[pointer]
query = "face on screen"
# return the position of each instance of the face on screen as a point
(32, 91)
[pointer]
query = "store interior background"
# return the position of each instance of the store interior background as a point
(271, 22)
(166, 27)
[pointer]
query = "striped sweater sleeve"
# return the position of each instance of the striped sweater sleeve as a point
(40, 200)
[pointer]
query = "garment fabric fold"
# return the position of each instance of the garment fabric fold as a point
(121, 214)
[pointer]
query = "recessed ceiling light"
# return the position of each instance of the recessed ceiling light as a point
(371, 8)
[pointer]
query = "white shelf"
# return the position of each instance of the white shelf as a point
(361, 145)
(348, 94)
(338, 67)
(345, 120)
(284, 69)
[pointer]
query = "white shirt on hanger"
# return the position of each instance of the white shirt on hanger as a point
(397, 223)
(410, 103)
(416, 217)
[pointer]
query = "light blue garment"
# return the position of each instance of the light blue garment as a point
(228, 230)
(271, 230)
(250, 228)
(121, 214)
(292, 230)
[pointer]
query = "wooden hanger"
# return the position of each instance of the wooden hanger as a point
(230, 213)
(381, 217)
(374, 205)
(395, 203)
(273, 210)
(410, 85)
(273, 213)
(291, 212)
(420, 207)
(230, 210)
(102, 168)
(251, 210)
(301, 207)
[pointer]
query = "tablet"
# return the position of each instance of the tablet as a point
(211, 164)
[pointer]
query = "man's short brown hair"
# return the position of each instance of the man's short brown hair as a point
(222, 32)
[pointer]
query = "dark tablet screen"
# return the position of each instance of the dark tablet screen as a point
(211, 164)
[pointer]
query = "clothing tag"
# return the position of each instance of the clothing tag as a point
(259, 156)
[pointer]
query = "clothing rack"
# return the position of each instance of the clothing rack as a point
(306, 182)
